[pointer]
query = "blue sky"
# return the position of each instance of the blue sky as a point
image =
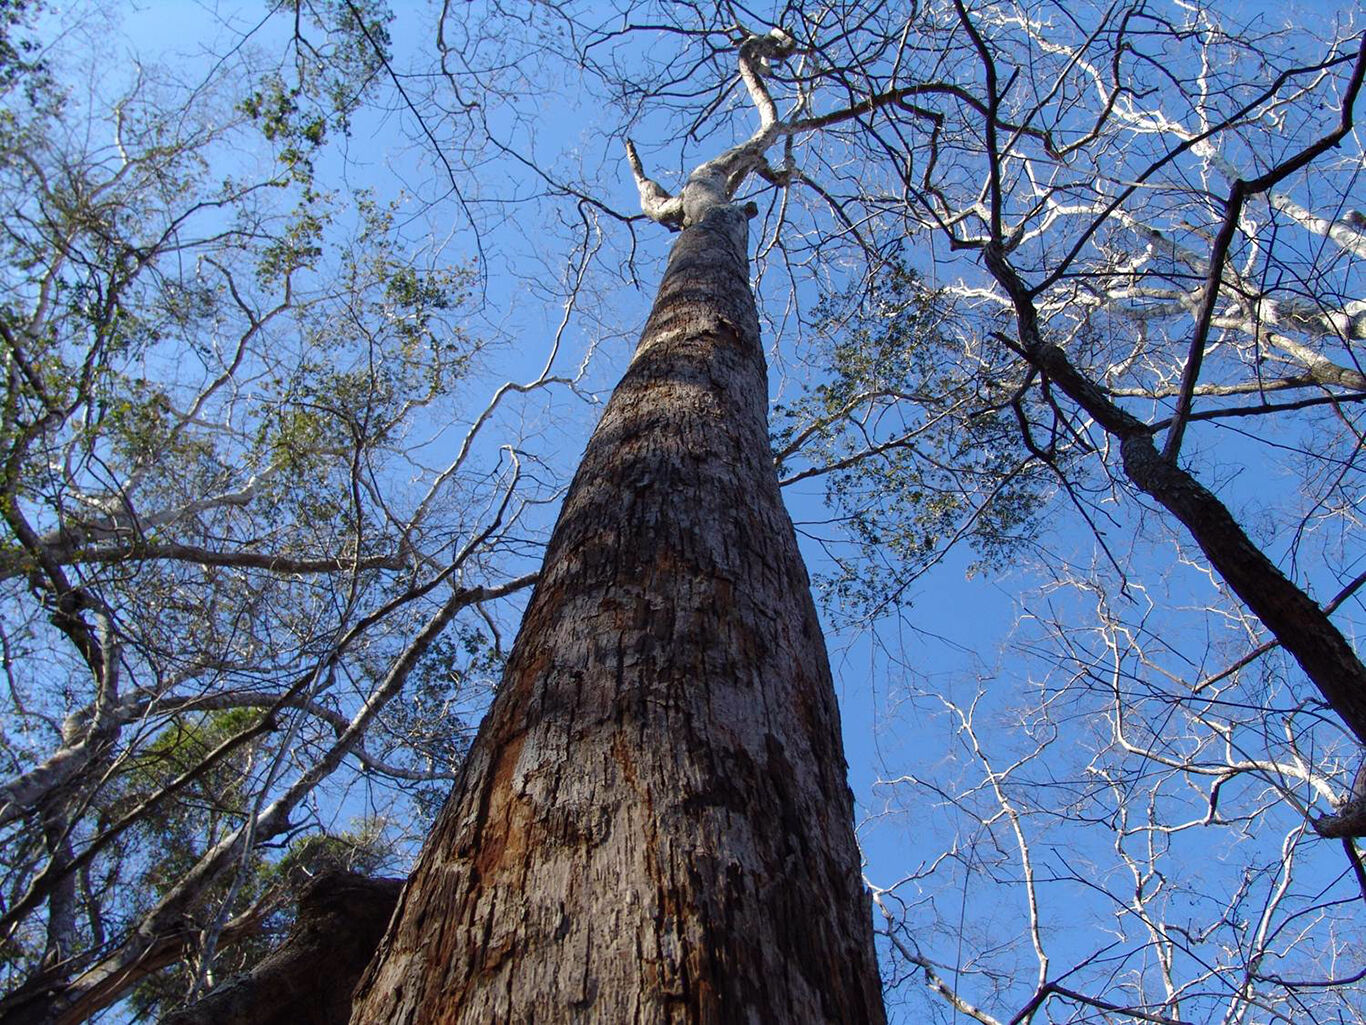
(957, 636)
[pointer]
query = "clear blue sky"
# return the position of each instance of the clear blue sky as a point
(955, 637)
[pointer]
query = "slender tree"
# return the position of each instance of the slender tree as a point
(217, 607)
(654, 824)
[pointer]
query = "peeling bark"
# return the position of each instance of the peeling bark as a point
(653, 825)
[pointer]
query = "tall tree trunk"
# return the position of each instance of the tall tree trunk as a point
(654, 823)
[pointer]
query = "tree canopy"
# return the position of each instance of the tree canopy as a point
(1063, 298)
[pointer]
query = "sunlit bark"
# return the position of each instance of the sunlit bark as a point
(654, 824)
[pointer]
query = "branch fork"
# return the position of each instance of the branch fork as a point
(715, 182)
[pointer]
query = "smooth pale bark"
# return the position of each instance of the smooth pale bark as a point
(654, 824)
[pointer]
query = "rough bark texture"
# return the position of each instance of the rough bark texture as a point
(309, 979)
(654, 824)
(1347, 821)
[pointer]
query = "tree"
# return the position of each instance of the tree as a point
(653, 823)
(1033, 273)
(225, 554)
(310, 977)
(1170, 253)
(1101, 166)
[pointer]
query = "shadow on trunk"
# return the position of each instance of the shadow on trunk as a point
(308, 980)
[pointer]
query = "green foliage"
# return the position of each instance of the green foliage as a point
(299, 245)
(178, 832)
(915, 434)
(327, 83)
(213, 381)
(363, 849)
(19, 63)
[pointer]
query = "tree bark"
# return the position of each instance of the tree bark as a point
(1298, 622)
(654, 825)
(309, 979)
